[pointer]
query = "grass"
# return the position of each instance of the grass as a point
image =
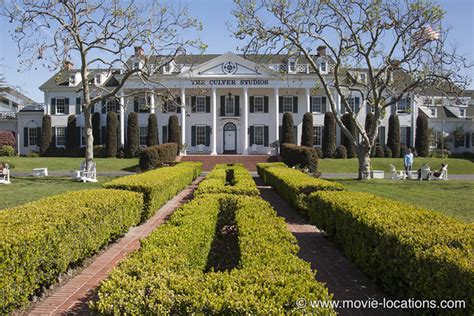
(454, 197)
(26, 164)
(455, 165)
(27, 189)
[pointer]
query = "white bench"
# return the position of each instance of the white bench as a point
(40, 172)
(377, 174)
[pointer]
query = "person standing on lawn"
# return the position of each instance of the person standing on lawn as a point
(408, 160)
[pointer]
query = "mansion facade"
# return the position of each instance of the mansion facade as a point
(227, 104)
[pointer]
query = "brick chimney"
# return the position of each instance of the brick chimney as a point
(139, 51)
(321, 50)
(68, 65)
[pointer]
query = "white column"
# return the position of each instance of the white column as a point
(152, 103)
(277, 113)
(122, 120)
(308, 100)
(246, 122)
(214, 122)
(183, 118)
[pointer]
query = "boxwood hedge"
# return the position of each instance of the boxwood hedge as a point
(168, 274)
(411, 252)
(42, 239)
(264, 165)
(159, 185)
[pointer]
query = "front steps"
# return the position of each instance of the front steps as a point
(249, 161)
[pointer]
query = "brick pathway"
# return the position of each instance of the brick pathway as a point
(341, 276)
(249, 161)
(71, 298)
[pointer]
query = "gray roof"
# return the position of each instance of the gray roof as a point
(60, 80)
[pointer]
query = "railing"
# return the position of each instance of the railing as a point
(300, 68)
(8, 115)
(33, 107)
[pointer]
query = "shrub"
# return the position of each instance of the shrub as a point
(379, 152)
(295, 186)
(7, 150)
(329, 135)
(422, 141)
(46, 137)
(393, 138)
(341, 152)
(387, 152)
(174, 265)
(112, 134)
(133, 136)
(100, 151)
(319, 151)
(152, 157)
(32, 154)
(301, 156)
(71, 137)
(174, 132)
(264, 165)
(287, 128)
(152, 139)
(41, 239)
(96, 128)
(307, 134)
(158, 186)
(7, 138)
(410, 251)
(403, 150)
(348, 122)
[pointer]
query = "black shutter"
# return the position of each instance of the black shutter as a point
(78, 136)
(53, 139)
(265, 104)
(104, 107)
(193, 104)
(178, 106)
(38, 136)
(382, 135)
(66, 106)
(164, 134)
(78, 106)
(265, 135)
(323, 105)
(208, 104)
(25, 136)
(252, 105)
(295, 104)
(237, 105)
(193, 135)
(251, 142)
(208, 135)
(103, 135)
(53, 106)
(468, 140)
(311, 104)
(280, 132)
(135, 105)
(357, 104)
(280, 104)
(223, 105)
(408, 140)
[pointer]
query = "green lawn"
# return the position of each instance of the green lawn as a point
(26, 164)
(455, 165)
(27, 189)
(453, 197)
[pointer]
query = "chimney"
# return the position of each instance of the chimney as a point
(68, 65)
(321, 50)
(139, 51)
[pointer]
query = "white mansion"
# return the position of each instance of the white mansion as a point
(231, 104)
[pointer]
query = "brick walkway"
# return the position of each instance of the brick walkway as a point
(342, 277)
(249, 161)
(71, 298)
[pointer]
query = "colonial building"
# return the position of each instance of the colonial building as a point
(227, 103)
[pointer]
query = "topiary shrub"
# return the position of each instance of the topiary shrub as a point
(422, 141)
(393, 138)
(152, 139)
(301, 156)
(174, 135)
(112, 135)
(133, 136)
(319, 151)
(287, 128)
(379, 152)
(329, 135)
(341, 152)
(96, 128)
(152, 157)
(71, 137)
(348, 122)
(46, 137)
(403, 150)
(7, 138)
(387, 152)
(308, 133)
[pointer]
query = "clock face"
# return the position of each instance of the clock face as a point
(229, 67)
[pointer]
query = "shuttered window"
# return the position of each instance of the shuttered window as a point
(60, 106)
(201, 104)
(258, 104)
(60, 136)
(287, 104)
(258, 135)
(317, 135)
(200, 135)
(33, 136)
(143, 135)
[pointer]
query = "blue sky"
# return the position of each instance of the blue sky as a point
(215, 15)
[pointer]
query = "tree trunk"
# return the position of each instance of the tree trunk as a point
(363, 155)
(89, 138)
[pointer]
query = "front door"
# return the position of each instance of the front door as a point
(230, 134)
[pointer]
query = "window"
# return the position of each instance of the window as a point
(403, 135)
(317, 135)
(60, 106)
(434, 138)
(433, 112)
(381, 136)
(427, 101)
(363, 77)
(167, 68)
(83, 138)
(112, 106)
(200, 135)
(98, 79)
(317, 106)
(60, 136)
(229, 105)
(33, 136)
(462, 112)
(323, 66)
(72, 79)
(472, 139)
(136, 65)
(201, 104)
(292, 66)
(170, 105)
(143, 135)
(258, 135)
(403, 106)
(353, 103)
(258, 103)
(142, 104)
(287, 104)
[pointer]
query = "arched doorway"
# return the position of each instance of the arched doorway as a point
(230, 138)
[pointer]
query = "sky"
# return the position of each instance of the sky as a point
(215, 15)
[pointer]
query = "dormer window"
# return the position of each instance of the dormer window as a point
(363, 77)
(98, 79)
(292, 66)
(462, 112)
(427, 101)
(404, 105)
(167, 68)
(72, 79)
(136, 65)
(323, 66)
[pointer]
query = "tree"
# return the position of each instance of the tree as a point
(71, 137)
(152, 139)
(174, 135)
(112, 134)
(393, 138)
(348, 122)
(353, 35)
(96, 128)
(287, 129)
(457, 136)
(307, 134)
(329, 135)
(46, 136)
(422, 136)
(133, 136)
(99, 33)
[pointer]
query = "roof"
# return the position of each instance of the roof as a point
(60, 80)
(7, 91)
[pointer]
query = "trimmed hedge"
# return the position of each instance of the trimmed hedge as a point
(41, 239)
(411, 252)
(300, 156)
(230, 179)
(46, 137)
(307, 133)
(152, 157)
(264, 165)
(132, 145)
(112, 134)
(295, 186)
(159, 185)
(329, 135)
(170, 272)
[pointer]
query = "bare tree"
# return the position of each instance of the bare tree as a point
(392, 40)
(101, 34)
